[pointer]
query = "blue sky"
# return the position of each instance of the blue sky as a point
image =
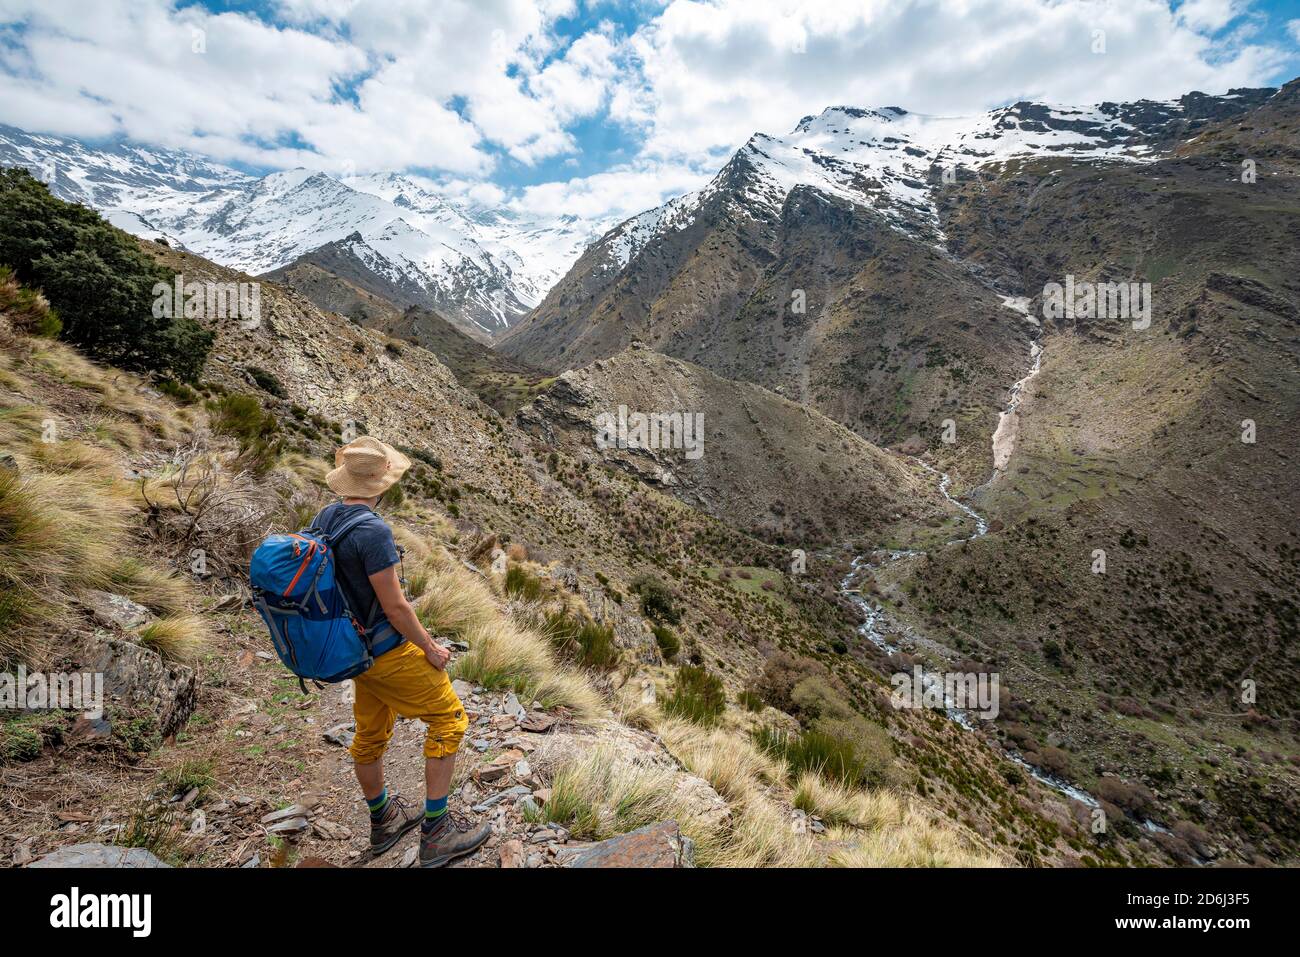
(596, 107)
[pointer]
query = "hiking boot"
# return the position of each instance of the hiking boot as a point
(399, 817)
(451, 837)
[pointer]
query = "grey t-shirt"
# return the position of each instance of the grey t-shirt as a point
(367, 549)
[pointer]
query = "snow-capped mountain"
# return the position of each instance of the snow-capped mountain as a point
(695, 276)
(891, 160)
(481, 268)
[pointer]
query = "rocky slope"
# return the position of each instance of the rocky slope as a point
(816, 265)
(760, 462)
(1137, 583)
(333, 293)
(255, 747)
(498, 380)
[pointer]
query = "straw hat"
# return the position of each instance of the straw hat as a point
(366, 468)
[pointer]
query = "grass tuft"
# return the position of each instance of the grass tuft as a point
(177, 637)
(697, 695)
(58, 535)
(504, 655)
(589, 644)
(454, 601)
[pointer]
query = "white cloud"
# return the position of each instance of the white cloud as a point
(312, 11)
(1209, 15)
(622, 192)
(451, 86)
(356, 84)
(712, 73)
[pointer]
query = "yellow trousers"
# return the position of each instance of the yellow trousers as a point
(403, 682)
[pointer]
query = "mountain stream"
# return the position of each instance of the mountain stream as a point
(875, 619)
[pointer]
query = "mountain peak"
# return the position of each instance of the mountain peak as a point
(486, 268)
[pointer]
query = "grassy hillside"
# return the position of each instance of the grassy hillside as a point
(1165, 669)
(766, 464)
(144, 475)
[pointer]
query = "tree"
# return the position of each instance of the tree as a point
(98, 280)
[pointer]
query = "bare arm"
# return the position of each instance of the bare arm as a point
(400, 614)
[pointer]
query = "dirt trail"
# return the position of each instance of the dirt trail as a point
(493, 779)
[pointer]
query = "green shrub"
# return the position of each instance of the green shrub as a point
(858, 756)
(751, 700)
(669, 643)
(154, 828)
(822, 754)
(242, 417)
(190, 774)
(138, 734)
(23, 734)
(98, 280)
(656, 600)
(521, 584)
(266, 381)
(586, 642)
(177, 390)
(697, 695)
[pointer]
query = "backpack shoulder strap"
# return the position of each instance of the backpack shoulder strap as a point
(334, 537)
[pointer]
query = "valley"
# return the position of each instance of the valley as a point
(907, 461)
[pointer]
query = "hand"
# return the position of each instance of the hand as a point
(438, 655)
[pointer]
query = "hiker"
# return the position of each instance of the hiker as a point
(408, 677)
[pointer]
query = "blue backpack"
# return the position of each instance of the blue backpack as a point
(314, 632)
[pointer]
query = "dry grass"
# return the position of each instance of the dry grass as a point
(72, 456)
(504, 655)
(763, 836)
(836, 804)
(914, 840)
(21, 425)
(751, 783)
(600, 794)
(504, 652)
(162, 591)
(866, 827)
(454, 601)
(420, 551)
(180, 637)
(124, 403)
(114, 430)
(633, 710)
(308, 472)
(738, 770)
(58, 534)
(65, 515)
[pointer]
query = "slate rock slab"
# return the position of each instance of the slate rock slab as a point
(655, 845)
(99, 855)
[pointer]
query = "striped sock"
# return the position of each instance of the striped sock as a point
(378, 804)
(434, 809)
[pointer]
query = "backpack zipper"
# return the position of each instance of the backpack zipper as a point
(311, 550)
